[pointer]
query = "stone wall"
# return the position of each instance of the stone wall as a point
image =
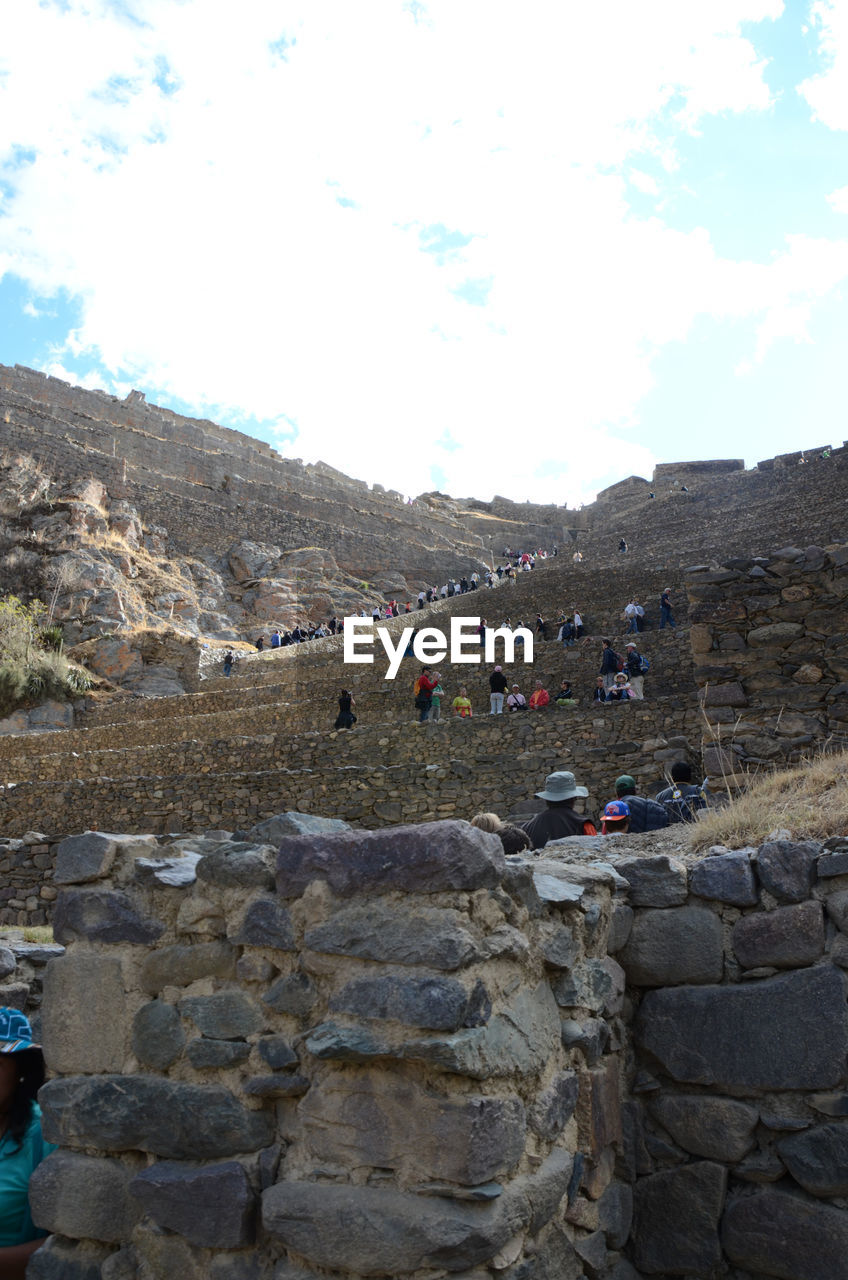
(397, 1052)
(372, 777)
(770, 642)
(375, 1055)
(735, 1133)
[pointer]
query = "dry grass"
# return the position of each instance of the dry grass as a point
(809, 800)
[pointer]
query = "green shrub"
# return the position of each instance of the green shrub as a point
(31, 669)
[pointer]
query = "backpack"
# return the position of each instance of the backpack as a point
(644, 665)
(681, 808)
(416, 688)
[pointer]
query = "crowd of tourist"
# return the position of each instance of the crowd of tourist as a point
(680, 801)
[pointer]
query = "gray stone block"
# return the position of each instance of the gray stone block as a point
(142, 1113)
(224, 1015)
(777, 1233)
(217, 1053)
(621, 922)
(787, 868)
(277, 1052)
(158, 1037)
(430, 857)
(555, 1105)
(179, 966)
(236, 866)
(818, 1158)
(80, 1033)
(61, 1259)
(291, 823)
(837, 909)
(8, 963)
(295, 994)
(267, 923)
(669, 947)
(728, 877)
(398, 934)
(726, 1036)
(83, 858)
(717, 1128)
(211, 1206)
(677, 1213)
(590, 1036)
(655, 881)
(615, 1214)
(597, 985)
(83, 1197)
(101, 915)
(439, 1004)
(121, 1265)
(832, 864)
(396, 1232)
(560, 948)
(787, 938)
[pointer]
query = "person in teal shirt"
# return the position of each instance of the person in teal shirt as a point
(22, 1147)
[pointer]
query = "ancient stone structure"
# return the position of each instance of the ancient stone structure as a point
(770, 643)
(388, 1053)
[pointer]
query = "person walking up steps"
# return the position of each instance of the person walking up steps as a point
(498, 686)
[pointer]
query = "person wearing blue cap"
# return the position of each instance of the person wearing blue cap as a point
(22, 1147)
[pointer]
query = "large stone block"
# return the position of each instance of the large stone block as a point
(427, 858)
(595, 984)
(101, 915)
(406, 934)
(727, 877)
(83, 858)
(179, 966)
(80, 1033)
(237, 866)
(520, 1037)
(669, 947)
(655, 881)
(211, 1206)
(83, 1197)
(777, 1233)
(439, 1004)
(143, 1113)
(787, 938)
(266, 923)
(818, 1158)
(717, 1128)
(291, 823)
(376, 1232)
(787, 868)
(158, 1035)
(377, 1118)
(224, 1015)
(676, 1218)
(789, 1032)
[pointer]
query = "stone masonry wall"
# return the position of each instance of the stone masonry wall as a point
(770, 642)
(367, 1054)
(736, 1134)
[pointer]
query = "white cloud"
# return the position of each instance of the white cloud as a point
(181, 179)
(826, 92)
(838, 200)
(644, 182)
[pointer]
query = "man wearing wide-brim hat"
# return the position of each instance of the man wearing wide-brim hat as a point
(559, 819)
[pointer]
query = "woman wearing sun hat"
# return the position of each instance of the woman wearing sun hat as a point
(22, 1147)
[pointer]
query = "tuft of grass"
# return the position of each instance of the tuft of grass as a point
(809, 800)
(38, 933)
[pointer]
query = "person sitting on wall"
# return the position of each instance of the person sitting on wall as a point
(645, 814)
(621, 690)
(615, 818)
(564, 696)
(516, 700)
(599, 693)
(462, 704)
(559, 819)
(539, 697)
(22, 1147)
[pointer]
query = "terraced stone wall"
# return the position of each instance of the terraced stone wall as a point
(770, 642)
(370, 1055)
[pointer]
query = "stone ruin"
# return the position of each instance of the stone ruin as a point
(400, 1054)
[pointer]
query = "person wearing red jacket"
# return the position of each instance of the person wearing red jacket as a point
(424, 686)
(539, 697)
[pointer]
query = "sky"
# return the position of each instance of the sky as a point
(457, 244)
